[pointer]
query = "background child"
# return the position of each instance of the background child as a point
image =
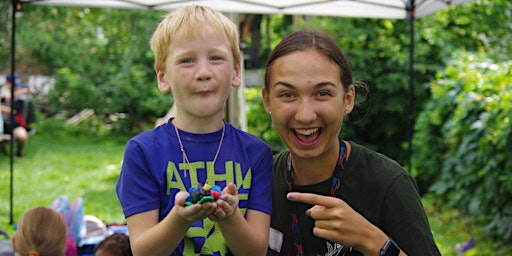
(117, 244)
(197, 57)
(24, 119)
(41, 231)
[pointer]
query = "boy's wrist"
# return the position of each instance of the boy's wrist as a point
(231, 218)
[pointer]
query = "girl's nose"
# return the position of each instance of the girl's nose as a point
(305, 112)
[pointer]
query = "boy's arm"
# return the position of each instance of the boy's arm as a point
(246, 236)
(253, 230)
(150, 237)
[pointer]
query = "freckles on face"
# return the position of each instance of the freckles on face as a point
(202, 57)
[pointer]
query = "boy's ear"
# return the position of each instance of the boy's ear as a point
(237, 79)
(163, 86)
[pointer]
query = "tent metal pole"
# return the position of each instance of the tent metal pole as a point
(411, 16)
(13, 69)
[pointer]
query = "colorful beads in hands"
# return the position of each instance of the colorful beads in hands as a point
(202, 194)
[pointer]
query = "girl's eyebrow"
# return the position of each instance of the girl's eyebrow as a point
(285, 84)
(317, 86)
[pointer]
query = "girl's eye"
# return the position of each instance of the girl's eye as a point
(323, 93)
(286, 95)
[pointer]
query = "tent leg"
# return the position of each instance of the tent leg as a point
(15, 5)
(410, 126)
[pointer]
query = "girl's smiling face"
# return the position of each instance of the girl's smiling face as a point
(307, 102)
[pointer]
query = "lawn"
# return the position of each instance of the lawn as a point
(64, 161)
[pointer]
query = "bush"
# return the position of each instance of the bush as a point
(463, 139)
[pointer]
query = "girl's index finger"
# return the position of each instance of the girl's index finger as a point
(313, 199)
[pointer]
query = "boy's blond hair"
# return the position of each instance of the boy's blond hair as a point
(41, 231)
(191, 21)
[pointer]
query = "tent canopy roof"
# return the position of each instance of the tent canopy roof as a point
(392, 9)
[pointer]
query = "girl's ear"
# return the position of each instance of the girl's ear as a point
(350, 96)
(13, 241)
(163, 85)
(266, 101)
(237, 79)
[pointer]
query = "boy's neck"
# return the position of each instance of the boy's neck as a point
(201, 125)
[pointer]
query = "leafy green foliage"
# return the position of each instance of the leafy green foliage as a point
(5, 38)
(259, 121)
(464, 141)
(478, 27)
(450, 228)
(100, 59)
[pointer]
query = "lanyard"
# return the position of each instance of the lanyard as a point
(334, 191)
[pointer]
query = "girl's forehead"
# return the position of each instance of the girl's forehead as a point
(304, 69)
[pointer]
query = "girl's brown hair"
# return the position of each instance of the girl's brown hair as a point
(41, 231)
(308, 39)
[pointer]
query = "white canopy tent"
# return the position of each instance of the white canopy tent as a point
(384, 9)
(387, 9)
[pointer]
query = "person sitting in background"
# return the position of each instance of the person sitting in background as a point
(117, 244)
(41, 231)
(23, 112)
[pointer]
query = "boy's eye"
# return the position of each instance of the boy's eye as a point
(186, 61)
(216, 58)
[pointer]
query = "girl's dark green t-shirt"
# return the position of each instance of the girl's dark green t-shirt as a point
(372, 184)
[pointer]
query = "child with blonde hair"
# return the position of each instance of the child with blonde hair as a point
(41, 231)
(197, 57)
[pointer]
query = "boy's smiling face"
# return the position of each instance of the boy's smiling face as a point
(200, 71)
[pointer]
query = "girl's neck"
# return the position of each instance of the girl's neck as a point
(308, 171)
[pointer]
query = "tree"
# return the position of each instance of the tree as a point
(99, 57)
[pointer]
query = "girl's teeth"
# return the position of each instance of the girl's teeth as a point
(306, 132)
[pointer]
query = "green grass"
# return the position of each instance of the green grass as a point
(70, 161)
(61, 163)
(450, 227)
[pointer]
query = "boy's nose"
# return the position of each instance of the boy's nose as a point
(203, 72)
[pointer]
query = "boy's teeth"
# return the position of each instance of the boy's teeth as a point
(306, 131)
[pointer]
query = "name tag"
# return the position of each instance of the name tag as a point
(275, 240)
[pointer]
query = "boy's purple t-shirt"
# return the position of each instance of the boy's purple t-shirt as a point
(153, 171)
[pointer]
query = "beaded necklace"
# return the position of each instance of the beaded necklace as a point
(184, 154)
